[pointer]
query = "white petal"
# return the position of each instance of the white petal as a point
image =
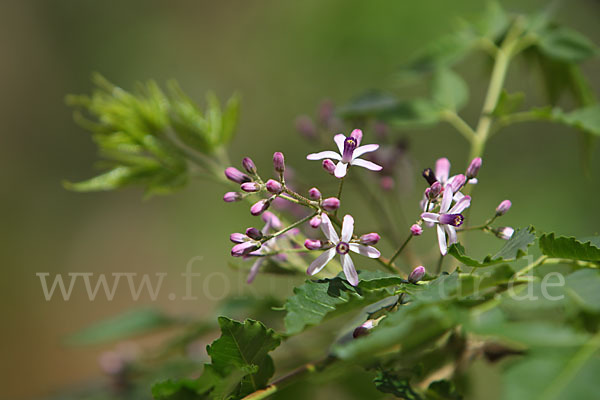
(363, 250)
(366, 164)
(451, 231)
(328, 229)
(473, 181)
(340, 170)
(359, 151)
(319, 262)
(442, 240)
(458, 196)
(446, 200)
(442, 170)
(254, 269)
(339, 140)
(430, 217)
(460, 205)
(324, 154)
(347, 228)
(349, 270)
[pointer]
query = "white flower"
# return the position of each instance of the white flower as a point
(349, 152)
(341, 246)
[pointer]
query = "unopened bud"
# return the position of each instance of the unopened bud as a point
(244, 248)
(473, 168)
(503, 207)
(259, 207)
(273, 186)
(387, 183)
(235, 175)
(330, 204)
(429, 176)
(364, 329)
(279, 162)
(249, 165)
(315, 221)
(329, 166)
(505, 232)
(238, 238)
(417, 274)
(250, 187)
(230, 197)
(357, 135)
(457, 182)
(272, 220)
(314, 194)
(306, 127)
(416, 230)
(254, 233)
(434, 190)
(313, 244)
(370, 238)
(325, 111)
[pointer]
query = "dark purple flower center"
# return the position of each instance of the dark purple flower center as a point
(349, 147)
(451, 219)
(342, 248)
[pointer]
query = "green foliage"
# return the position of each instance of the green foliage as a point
(315, 301)
(564, 44)
(513, 249)
(147, 138)
(449, 90)
(570, 247)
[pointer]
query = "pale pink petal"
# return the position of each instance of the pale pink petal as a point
(366, 164)
(363, 250)
(442, 170)
(446, 200)
(339, 140)
(328, 229)
(458, 196)
(473, 181)
(254, 269)
(347, 228)
(442, 240)
(317, 265)
(460, 205)
(324, 154)
(340, 170)
(359, 151)
(349, 270)
(451, 231)
(430, 217)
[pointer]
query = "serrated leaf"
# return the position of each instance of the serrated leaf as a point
(513, 249)
(449, 90)
(122, 326)
(315, 301)
(570, 247)
(567, 45)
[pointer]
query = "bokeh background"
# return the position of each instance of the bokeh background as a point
(283, 57)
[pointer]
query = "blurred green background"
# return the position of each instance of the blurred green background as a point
(283, 57)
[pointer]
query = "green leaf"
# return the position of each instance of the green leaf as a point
(315, 301)
(494, 22)
(122, 326)
(566, 45)
(513, 249)
(449, 90)
(389, 382)
(570, 247)
(184, 389)
(508, 103)
(371, 103)
(442, 390)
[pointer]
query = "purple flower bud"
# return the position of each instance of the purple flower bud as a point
(272, 219)
(279, 162)
(416, 230)
(238, 238)
(457, 182)
(230, 197)
(417, 274)
(244, 248)
(357, 135)
(429, 176)
(250, 187)
(260, 207)
(503, 207)
(325, 111)
(315, 221)
(329, 166)
(254, 233)
(273, 186)
(314, 194)
(370, 238)
(249, 165)
(313, 244)
(505, 232)
(387, 183)
(364, 329)
(330, 204)
(235, 175)
(473, 168)
(434, 191)
(306, 127)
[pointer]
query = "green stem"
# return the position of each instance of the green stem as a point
(397, 253)
(439, 265)
(459, 124)
(292, 226)
(339, 194)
